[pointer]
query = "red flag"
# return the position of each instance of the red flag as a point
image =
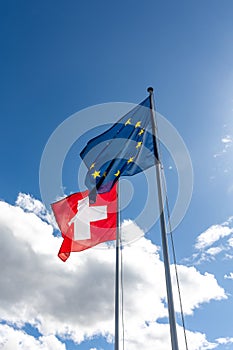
(84, 225)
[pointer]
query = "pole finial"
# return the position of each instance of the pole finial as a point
(150, 90)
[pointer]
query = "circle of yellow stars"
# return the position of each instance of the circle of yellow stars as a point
(96, 173)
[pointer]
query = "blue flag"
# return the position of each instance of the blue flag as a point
(125, 149)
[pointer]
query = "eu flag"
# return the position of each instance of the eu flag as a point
(125, 149)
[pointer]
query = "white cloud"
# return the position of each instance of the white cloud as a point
(26, 229)
(76, 299)
(212, 242)
(227, 142)
(227, 340)
(11, 339)
(205, 286)
(214, 250)
(131, 232)
(229, 256)
(212, 235)
(30, 204)
(157, 336)
(230, 276)
(230, 242)
(226, 139)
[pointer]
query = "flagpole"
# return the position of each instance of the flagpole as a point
(117, 274)
(171, 311)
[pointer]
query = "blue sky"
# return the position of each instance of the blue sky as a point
(58, 58)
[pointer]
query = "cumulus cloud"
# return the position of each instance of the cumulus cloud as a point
(205, 286)
(11, 339)
(156, 336)
(76, 299)
(30, 204)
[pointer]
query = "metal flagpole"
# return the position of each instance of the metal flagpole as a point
(171, 311)
(117, 272)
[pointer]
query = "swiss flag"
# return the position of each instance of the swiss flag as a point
(84, 225)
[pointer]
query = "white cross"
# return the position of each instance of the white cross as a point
(83, 218)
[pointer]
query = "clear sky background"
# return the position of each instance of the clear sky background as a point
(57, 58)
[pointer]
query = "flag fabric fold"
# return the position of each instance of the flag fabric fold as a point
(84, 225)
(125, 149)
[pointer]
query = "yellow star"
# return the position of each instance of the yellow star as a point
(130, 160)
(128, 121)
(139, 144)
(92, 166)
(96, 174)
(117, 173)
(141, 132)
(138, 124)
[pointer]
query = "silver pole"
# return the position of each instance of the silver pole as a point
(171, 311)
(117, 276)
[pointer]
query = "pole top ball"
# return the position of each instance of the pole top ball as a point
(150, 90)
